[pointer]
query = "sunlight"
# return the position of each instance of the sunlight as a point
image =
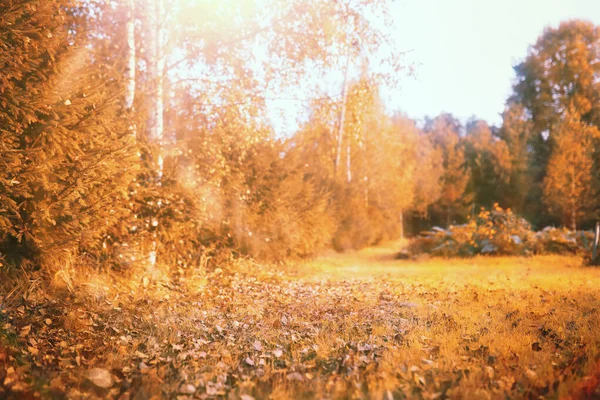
(222, 199)
(225, 14)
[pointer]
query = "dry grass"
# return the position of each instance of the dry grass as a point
(359, 325)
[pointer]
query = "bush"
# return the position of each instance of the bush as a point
(499, 232)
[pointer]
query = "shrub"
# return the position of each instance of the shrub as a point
(499, 232)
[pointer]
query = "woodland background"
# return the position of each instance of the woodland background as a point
(138, 131)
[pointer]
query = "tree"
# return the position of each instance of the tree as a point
(570, 185)
(429, 171)
(560, 71)
(65, 154)
(454, 201)
(516, 132)
(217, 81)
(489, 161)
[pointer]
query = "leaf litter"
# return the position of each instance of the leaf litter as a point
(261, 333)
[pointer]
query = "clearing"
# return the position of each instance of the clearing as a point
(359, 325)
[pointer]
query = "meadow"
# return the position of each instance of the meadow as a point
(357, 325)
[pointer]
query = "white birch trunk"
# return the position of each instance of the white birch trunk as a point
(156, 70)
(338, 154)
(131, 56)
(151, 47)
(131, 63)
(160, 69)
(156, 67)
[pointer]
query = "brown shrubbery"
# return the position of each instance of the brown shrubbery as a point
(499, 232)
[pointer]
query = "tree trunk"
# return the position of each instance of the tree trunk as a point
(366, 164)
(156, 66)
(573, 207)
(595, 259)
(340, 138)
(348, 163)
(401, 223)
(131, 57)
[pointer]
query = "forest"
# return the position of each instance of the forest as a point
(161, 232)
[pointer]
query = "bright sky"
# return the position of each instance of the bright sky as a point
(464, 50)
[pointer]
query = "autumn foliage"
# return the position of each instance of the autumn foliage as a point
(158, 215)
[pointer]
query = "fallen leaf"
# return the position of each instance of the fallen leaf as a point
(365, 347)
(277, 353)
(249, 361)
(211, 390)
(11, 377)
(100, 378)
(530, 374)
(25, 331)
(57, 383)
(246, 397)
(295, 376)
(187, 388)
(139, 354)
(258, 346)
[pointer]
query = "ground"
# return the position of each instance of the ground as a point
(358, 325)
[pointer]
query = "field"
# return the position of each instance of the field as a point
(359, 325)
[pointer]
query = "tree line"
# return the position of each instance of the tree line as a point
(139, 132)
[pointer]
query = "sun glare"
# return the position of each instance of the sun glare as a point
(220, 199)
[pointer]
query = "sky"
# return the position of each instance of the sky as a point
(463, 50)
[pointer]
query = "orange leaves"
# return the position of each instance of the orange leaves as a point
(397, 329)
(569, 181)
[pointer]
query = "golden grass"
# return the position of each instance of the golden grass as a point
(359, 325)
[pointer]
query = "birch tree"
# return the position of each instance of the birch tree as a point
(570, 185)
(131, 62)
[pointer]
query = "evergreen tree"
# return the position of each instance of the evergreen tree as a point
(65, 156)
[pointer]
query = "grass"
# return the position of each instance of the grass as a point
(358, 325)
